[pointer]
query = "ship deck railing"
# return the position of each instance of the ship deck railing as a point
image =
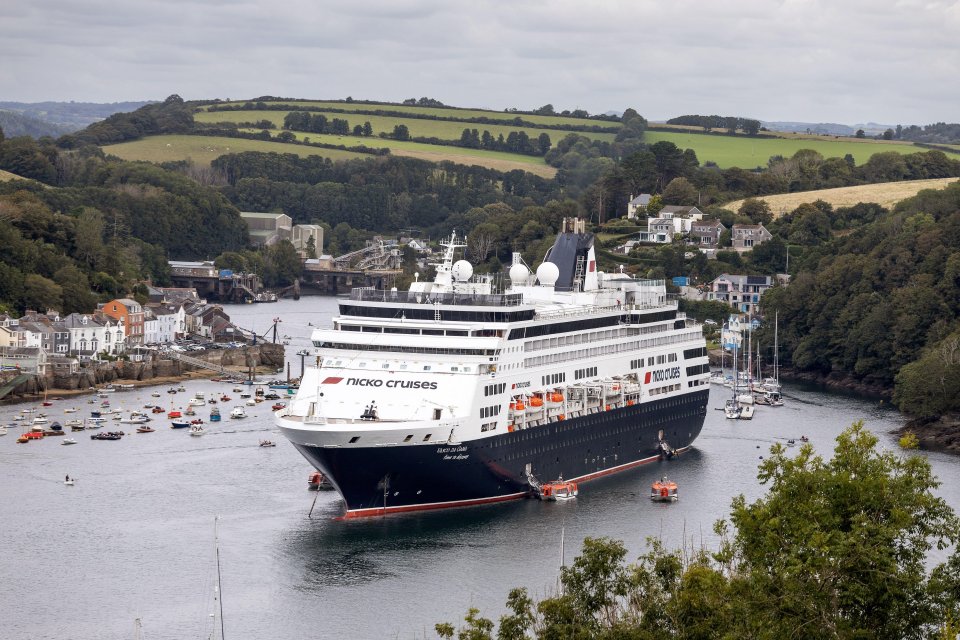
(591, 310)
(369, 294)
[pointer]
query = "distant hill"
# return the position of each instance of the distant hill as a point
(16, 124)
(68, 116)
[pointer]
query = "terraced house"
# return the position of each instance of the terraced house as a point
(131, 312)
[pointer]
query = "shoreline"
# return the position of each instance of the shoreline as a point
(53, 392)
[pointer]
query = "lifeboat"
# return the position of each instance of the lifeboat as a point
(518, 406)
(664, 490)
(554, 399)
(536, 403)
(174, 414)
(558, 490)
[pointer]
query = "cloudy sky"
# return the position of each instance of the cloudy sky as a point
(888, 61)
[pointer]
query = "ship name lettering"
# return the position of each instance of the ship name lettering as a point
(401, 384)
(666, 374)
(451, 449)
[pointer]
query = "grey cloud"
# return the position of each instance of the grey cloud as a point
(789, 59)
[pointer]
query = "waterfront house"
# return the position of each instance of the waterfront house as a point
(24, 359)
(131, 312)
(747, 236)
(740, 292)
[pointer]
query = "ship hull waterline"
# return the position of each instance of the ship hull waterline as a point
(376, 481)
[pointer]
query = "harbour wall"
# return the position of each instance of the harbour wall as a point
(156, 367)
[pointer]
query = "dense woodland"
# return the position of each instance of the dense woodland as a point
(837, 549)
(874, 292)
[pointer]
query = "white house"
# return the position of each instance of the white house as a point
(150, 326)
(638, 206)
(671, 221)
(171, 322)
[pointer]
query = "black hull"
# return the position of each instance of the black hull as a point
(379, 480)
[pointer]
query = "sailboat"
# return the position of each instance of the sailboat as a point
(731, 410)
(769, 389)
(217, 593)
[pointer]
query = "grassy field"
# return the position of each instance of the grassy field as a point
(445, 113)
(886, 194)
(6, 176)
(202, 149)
(423, 128)
(498, 160)
(748, 153)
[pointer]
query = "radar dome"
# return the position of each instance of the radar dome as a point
(519, 274)
(462, 270)
(547, 274)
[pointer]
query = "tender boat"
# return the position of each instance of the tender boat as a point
(558, 490)
(145, 429)
(277, 406)
(69, 481)
(70, 410)
(238, 412)
(179, 424)
(174, 414)
(664, 490)
(197, 430)
(318, 482)
(267, 443)
(69, 441)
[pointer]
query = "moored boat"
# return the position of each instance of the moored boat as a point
(238, 412)
(215, 415)
(316, 481)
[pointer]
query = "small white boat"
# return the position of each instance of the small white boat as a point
(746, 412)
(135, 418)
(197, 430)
(40, 419)
(251, 402)
(68, 441)
(731, 409)
(69, 481)
(3, 430)
(70, 410)
(238, 412)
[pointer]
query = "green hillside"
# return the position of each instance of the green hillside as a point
(418, 127)
(440, 112)
(203, 149)
(747, 153)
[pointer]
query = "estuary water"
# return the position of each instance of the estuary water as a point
(134, 538)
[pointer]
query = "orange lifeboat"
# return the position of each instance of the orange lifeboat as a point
(664, 490)
(518, 406)
(558, 490)
(536, 402)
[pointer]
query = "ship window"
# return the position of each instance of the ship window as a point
(386, 365)
(403, 366)
(426, 438)
(408, 438)
(436, 413)
(354, 439)
(426, 367)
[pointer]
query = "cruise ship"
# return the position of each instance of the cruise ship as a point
(453, 394)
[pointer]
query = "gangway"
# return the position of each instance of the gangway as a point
(13, 384)
(198, 362)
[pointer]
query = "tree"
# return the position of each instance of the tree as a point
(367, 129)
(757, 210)
(860, 133)
(834, 550)
(888, 134)
(40, 293)
(311, 246)
(844, 542)
(680, 192)
(401, 132)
